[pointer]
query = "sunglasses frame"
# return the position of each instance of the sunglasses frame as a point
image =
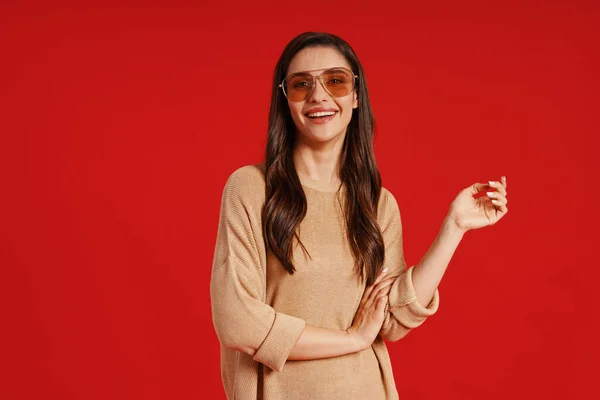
(320, 77)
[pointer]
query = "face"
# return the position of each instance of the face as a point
(320, 130)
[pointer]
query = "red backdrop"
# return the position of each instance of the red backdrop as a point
(121, 123)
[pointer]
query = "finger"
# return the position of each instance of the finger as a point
(477, 187)
(498, 186)
(386, 283)
(381, 285)
(378, 278)
(372, 302)
(503, 179)
(499, 197)
(500, 206)
(380, 307)
(370, 288)
(381, 275)
(384, 292)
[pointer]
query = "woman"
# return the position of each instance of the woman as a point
(309, 275)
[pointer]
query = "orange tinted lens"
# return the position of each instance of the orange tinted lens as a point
(297, 87)
(339, 82)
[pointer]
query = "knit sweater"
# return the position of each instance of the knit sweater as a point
(259, 310)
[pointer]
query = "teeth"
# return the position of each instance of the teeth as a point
(321, 114)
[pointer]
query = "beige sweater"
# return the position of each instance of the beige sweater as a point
(260, 310)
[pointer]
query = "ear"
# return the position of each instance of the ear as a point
(355, 101)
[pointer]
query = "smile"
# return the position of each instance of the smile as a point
(321, 114)
(321, 117)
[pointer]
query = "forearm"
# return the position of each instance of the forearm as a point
(429, 271)
(316, 343)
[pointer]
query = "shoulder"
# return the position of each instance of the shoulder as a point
(387, 209)
(247, 177)
(387, 201)
(247, 185)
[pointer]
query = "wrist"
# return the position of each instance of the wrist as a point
(355, 342)
(452, 226)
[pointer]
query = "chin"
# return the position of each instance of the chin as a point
(322, 135)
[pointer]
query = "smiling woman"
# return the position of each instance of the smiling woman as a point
(309, 271)
(321, 111)
(337, 82)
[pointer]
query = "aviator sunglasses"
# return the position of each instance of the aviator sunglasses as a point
(337, 82)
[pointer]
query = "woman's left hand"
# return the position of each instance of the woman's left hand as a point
(469, 212)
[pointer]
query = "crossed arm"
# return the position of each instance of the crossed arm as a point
(244, 322)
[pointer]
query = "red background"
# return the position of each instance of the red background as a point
(120, 124)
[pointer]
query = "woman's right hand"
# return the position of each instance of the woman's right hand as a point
(371, 312)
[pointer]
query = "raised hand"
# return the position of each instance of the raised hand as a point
(371, 312)
(470, 212)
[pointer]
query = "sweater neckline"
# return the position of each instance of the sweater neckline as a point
(322, 186)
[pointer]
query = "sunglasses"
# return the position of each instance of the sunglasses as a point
(337, 82)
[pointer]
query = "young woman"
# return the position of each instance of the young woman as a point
(309, 275)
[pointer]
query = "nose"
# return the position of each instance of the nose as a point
(318, 93)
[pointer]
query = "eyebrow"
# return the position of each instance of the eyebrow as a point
(339, 69)
(335, 69)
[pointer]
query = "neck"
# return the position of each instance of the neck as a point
(319, 161)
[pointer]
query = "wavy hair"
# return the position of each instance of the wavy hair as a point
(285, 205)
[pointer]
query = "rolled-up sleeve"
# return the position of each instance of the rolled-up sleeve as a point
(403, 311)
(242, 319)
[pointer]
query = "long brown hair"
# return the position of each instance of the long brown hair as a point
(285, 205)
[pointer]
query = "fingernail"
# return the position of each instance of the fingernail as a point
(383, 271)
(491, 183)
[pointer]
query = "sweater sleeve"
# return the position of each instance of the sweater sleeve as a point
(242, 320)
(403, 311)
